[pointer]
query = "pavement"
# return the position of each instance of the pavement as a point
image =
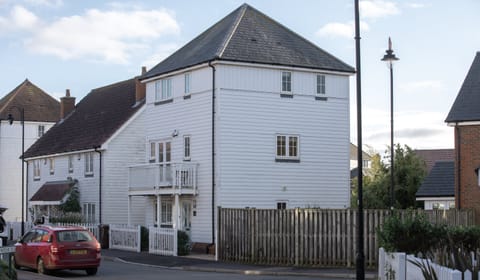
(207, 263)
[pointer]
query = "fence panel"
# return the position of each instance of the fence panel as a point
(124, 237)
(314, 237)
(94, 228)
(162, 241)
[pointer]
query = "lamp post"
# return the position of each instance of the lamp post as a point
(390, 58)
(22, 121)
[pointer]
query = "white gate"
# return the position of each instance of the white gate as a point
(162, 241)
(124, 237)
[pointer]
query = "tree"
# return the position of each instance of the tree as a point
(73, 202)
(409, 171)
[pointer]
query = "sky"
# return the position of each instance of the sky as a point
(82, 45)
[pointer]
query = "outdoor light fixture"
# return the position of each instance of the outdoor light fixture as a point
(390, 58)
(10, 119)
(478, 177)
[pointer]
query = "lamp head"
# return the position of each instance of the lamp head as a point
(389, 57)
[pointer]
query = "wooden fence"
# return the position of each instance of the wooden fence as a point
(308, 237)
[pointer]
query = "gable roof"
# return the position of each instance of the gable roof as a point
(467, 104)
(434, 155)
(38, 105)
(247, 35)
(440, 182)
(94, 120)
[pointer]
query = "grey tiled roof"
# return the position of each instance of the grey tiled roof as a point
(440, 182)
(247, 35)
(432, 156)
(467, 104)
(38, 105)
(94, 120)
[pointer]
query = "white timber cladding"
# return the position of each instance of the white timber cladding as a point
(11, 165)
(191, 116)
(250, 113)
(125, 149)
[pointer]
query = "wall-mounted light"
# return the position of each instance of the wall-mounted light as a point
(175, 133)
(478, 177)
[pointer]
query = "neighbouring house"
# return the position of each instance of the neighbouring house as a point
(41, 111)
(89, 151)
(437, 190)
(247, 114)
(366, 161)
(464, 116)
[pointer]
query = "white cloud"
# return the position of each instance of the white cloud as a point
(416, 5)
(19, 19)
(372, 9)
(111, 36)
(430, 86)
(48, 3)
(338, 29)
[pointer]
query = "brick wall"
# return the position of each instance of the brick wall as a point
(467, 138)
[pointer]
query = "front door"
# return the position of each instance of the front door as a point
(186, 216)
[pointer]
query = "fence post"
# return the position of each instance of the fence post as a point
(401, 273)
(381, 263)
(297, 237)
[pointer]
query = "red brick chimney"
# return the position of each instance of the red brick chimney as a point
(67, 104)
(140, 88)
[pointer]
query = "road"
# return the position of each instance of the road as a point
(122, 271)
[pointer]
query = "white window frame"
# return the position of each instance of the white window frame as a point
(287, 155)
(89, 212)
(321, 83)
(187, 147)
(41, 130)
(51, 164)
(166, 213)
(187, 83)
(70, 163)
(286, 82)
(36, 169)
(88, 157)
(153, 151)
(163, 89)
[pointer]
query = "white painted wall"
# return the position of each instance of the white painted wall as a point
(11, 165)
(442, 202)
(251, 113)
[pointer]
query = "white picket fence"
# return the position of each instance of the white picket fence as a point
(91, 227)
(124, 237)
(399, 266)
(162, 241)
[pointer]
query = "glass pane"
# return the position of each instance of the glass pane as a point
(281, 147)
(167, 152)
(160, 152)
(293, 146)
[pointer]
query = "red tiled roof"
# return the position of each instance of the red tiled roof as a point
(53, 191)
(37, 104)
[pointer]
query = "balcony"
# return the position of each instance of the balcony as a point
(163, 178)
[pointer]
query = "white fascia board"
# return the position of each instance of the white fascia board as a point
(61, 154)
(466, 123)
(280, 67)
(173, 73)
(123, 127)
(58, 202)
(433, 198)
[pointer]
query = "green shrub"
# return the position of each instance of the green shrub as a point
(183, 243)
(412, 234)
(69, 217)
(5, 273)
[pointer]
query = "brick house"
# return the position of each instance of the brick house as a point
(464, 116)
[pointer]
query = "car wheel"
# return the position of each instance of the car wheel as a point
(14, 263)
(41, 267)
(91, 271)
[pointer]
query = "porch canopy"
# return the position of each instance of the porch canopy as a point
(52, 193)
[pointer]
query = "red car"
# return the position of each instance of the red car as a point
(48, 248)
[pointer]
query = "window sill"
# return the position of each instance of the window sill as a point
(36, 179)
(292, 160)
(163, 101)
(187, 96)
(286, 95)
(321, 98)
(186, 159)
(88, 174)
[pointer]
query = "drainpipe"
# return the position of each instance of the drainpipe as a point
(213, 151)
(457, 148)
(99, 185)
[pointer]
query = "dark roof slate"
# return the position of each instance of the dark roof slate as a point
(440, 182)
(94, 120)
(434, 155)
(247, 35)
(467, 104)
(38, 105)
(53, 191)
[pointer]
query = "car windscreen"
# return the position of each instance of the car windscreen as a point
(73, 236)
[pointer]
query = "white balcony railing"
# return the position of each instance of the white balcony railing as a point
(164, 177)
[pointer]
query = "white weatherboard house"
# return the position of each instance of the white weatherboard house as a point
(41, 111)
(90, 149)
(247, 114)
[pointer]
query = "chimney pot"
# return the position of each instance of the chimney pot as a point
(67, 92)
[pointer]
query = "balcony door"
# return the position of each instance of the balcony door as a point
(161, 153)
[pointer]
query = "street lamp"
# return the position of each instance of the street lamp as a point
(22, 121)
(390, 58)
